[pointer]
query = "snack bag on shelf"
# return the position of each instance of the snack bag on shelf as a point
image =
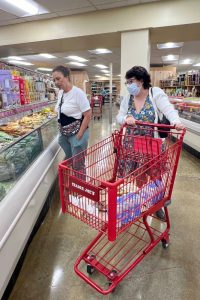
(27, 94)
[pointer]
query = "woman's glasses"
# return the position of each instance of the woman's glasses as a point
(131, 80)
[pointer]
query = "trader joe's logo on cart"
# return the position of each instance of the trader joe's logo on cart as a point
(84, 188)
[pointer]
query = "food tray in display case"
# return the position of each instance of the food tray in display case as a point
(188, 108)
(16, 157)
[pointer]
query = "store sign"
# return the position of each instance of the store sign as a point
(83, 188)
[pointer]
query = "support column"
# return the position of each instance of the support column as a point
(135, 51)
(110, 85)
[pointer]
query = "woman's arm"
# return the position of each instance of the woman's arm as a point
(122, 114)
(165, 107)
(86, 120)
(58, 100)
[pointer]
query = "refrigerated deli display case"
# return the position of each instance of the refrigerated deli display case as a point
(189, 112)
(29, 156)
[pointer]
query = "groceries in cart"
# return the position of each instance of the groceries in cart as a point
(130, 205)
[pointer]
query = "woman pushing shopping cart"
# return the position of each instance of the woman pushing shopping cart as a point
(120, 201)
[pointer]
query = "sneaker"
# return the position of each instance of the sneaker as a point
(160, 214)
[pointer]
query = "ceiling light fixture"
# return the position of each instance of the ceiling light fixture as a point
(77, 58)
(170, 57)
(25, 5)
(101, 66)
(105, 71)
(196, 65)
(169, 45)
(77, 64)
(45, 69)
(15, 58)
(97, 76)
(186, 61)
(100, 51)
(17, 62)
(47, 55)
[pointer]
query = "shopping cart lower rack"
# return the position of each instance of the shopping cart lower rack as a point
(116, 186)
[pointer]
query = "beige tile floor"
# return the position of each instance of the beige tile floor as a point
(171, 274)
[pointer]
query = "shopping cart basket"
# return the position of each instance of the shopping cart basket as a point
(121, 204)
(96, 106)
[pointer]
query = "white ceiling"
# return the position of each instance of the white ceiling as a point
(93, 59)
(190, 49)
(59, 8)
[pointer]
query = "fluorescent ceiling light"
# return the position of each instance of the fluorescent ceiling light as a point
(77, 58)
(101, 66)
(97, 76)
(196, 65)
(100, 51)
(170, 57)
(22, 8)
(169, 45)
(105, 71)
(17, 62)
(119, 75)
(47, 55)
(45, 69)
(28, 6)
(77, 64)
(15, 58)
(187, 61)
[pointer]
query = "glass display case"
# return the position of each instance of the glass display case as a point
(188, 108)
(17, 157)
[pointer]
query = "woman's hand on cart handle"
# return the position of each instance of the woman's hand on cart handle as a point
(179, 126)
(130, 120)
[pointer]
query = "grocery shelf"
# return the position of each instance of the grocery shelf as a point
(12, 114)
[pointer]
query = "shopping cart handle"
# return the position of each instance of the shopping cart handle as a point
(149, 124)
(154, 125)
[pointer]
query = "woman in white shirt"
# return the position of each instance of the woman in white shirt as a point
(72, 107)
(145, 104)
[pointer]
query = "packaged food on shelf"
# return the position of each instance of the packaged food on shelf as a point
(5, 88)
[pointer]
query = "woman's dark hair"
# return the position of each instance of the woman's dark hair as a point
(139, 73)
(62, 69)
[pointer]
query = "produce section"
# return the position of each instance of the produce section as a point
(11, 131)
(16, 157)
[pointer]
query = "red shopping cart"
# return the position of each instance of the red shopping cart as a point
(126, 178)
(96, 106)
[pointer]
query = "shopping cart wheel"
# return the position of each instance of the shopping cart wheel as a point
(90, 268)
(165, 243)
(112, 275)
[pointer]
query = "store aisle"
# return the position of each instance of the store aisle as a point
(171, 274)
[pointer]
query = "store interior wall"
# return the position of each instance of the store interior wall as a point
(149, 15)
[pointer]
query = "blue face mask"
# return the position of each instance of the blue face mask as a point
(133, 89)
